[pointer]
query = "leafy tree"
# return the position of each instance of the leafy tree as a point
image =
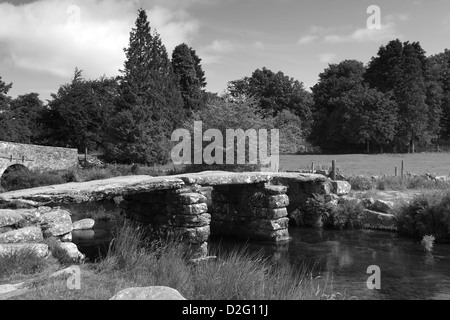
(198, 69)
(149, 99)
(79, 112)
(185, 67)
(275, 92)
(439, 70)
(402, 69)
(30, 110)
(4, 99)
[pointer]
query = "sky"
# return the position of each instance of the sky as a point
(42, 41)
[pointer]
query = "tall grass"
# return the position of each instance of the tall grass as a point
(396, 183)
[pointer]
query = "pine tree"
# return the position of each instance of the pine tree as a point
(150, 105)
(186, 68)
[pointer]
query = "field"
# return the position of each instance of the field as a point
(361, 164)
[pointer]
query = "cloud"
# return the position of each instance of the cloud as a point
(307, 39)
(220, 46)
(54, 36)
(327, 57)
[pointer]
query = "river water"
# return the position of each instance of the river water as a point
(341, 259)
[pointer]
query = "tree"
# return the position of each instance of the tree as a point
(186, 69)
(30, 110)
(79, 112)
(401, 68)
(149, 99)
(439, 70)
(4, 99)
(275, 93)
(198, 69)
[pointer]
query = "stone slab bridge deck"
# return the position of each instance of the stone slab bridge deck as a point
(249, 205)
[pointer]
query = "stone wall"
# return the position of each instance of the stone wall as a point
(35, 157)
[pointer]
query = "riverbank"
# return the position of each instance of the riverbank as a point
(134, 262)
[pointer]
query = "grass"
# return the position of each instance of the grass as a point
(382, 164)
(133, 261)
(362, 183)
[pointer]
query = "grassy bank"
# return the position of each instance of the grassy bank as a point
(133, 261)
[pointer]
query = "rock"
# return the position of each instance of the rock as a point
(190, 198)
(40, 249)
(56, 223)
(331, 197)
(148, 293)
(274, 190)
(9, 218)
(97, 190)
(8, 291)
(368, 203)
(193, 209)
(212, 178)
(84, 224)
(28, 234)
(266, 224)
(341, 187)
(322, 172)
(191, 235)
(181, 220)
(66, 237)
(5, 229)
(70, 250)
(377, 220)
(383, 206)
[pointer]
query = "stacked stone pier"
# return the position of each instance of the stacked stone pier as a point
(249, 205)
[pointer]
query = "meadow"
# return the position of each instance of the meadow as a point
(362, 164)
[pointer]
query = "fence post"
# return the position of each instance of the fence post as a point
(85, 155)
(312, 167)
(333, 169)
(402, 169)
(396, 172)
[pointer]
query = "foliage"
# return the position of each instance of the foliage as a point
(186, 65)
(22, 262)
(401, 68)
(426, 214)
(79, 113)
(149, 106)
(427, 243)
(345, 215)
(275, 92)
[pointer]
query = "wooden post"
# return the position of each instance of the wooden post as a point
(396, 172)
(437, 147)
(333, 169)
(23, 159)
(312, 167)
(402, 171)
(85, 155)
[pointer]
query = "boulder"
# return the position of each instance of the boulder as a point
(368, 203)
(383, 206)
(56, 223)
(341, 187)
(191, 235)
(84, 224)
(148, 293)
(190, 198)
(377, 220)
(40, 249)
(28, 234)
(9, 218)
(66, 237)
(70, 250)
(5, 229)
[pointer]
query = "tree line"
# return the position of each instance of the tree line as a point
(401, 98)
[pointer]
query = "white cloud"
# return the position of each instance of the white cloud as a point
(327, 57)
(386, 32)
(220, 46)
(45, 37)
(307, 39)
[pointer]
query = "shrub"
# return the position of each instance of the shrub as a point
(361, 183)
(313, 211)
(345, 215)
(426, 214)
(428, 243)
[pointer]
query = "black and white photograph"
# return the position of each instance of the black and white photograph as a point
(236, 158)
